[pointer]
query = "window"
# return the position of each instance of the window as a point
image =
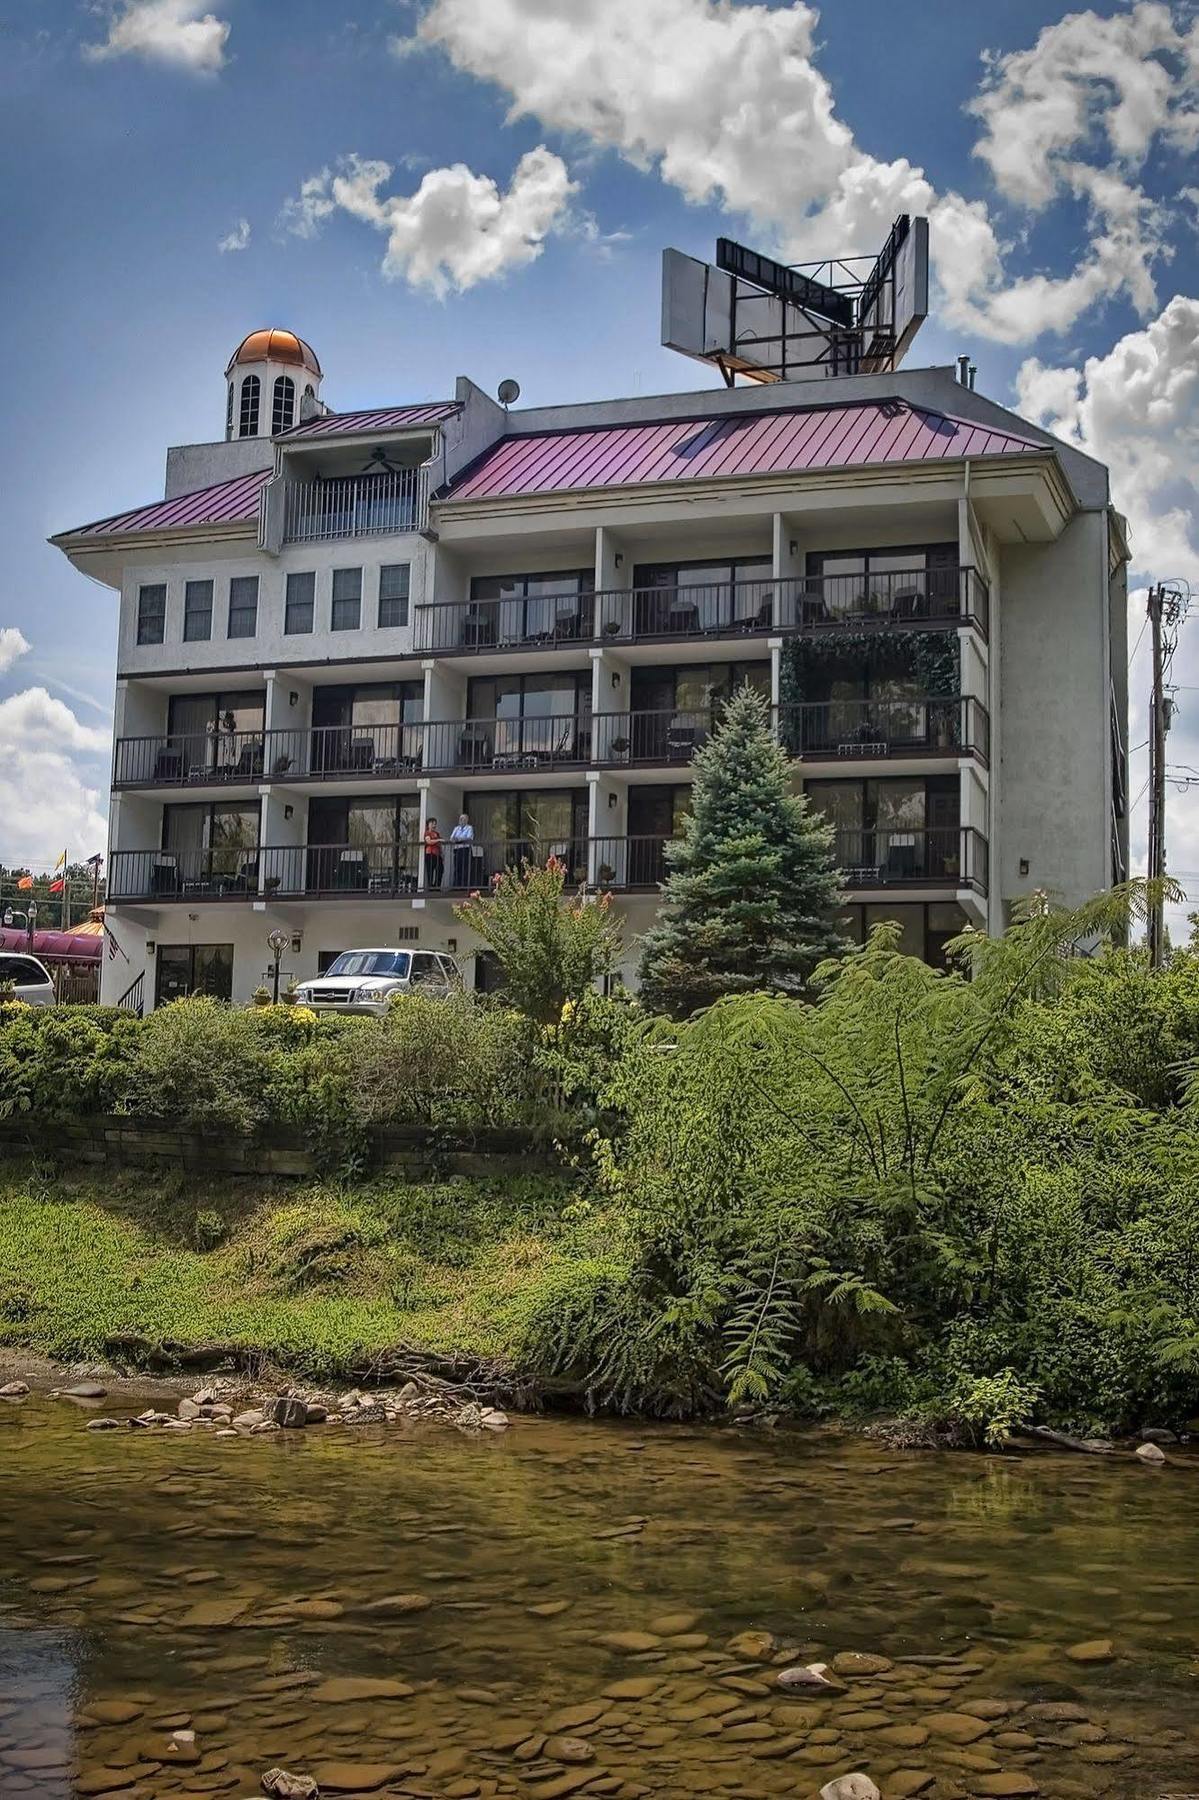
(300, 606)
(23, 971)
(248, 420)
(197, 611)
(194, 969)
(672, 599)
(152, 613)
(283, 404)
(513, 609)
(427, 971)
(393, 594)
(347, 599)
(371, 962)
(229, 410)
(243, 606)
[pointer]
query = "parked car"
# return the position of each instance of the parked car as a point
(33, 981)
(365, 981)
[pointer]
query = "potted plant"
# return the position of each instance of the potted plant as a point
(611, 628)
(260, 997)
(620, 746)
(607, 874)
(282, 764)
(270, 884)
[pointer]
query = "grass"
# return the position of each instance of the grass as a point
(316, 1279)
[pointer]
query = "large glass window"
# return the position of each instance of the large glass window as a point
(347, 599)
(283, 404)
(514, 609)
(393, 594)
(371, 729)
(221, 732)
(366, 842)
(912, 581)
(152, 613)
(300, 604)
(543, 716)
(197, 611)
(527, 823)
(681, 598)
(672, 711)
(251, 389)
(212, 848)
(243, 606)
(893, 828)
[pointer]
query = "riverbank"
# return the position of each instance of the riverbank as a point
(150, 1272)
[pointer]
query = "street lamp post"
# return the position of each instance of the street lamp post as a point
(278, 941)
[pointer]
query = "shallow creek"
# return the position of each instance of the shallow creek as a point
(585, 1608)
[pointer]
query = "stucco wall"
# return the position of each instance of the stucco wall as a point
(1053, 785)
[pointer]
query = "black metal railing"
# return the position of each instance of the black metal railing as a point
(663, 735)
(629, 862)
(538, 621)
(348, 506)
(949, 856)
(133, 1000)
(333, 752)
(183, 759)
(848, 729)
(894, 597)
(386, 871)
(486, 745)
(223, 873)
(473, 866)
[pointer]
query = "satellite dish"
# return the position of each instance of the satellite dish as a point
(508, 391)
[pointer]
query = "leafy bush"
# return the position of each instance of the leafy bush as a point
(550, 949)
(200, 1065)
(63, 1062)
(442, 1063)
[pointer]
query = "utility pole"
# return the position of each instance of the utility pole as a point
(1157, 786)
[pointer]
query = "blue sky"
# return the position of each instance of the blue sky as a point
(138, 136)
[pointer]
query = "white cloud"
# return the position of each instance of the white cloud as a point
(175, 32)
(13, 644)
(52, 797)
(237, 239)
(726, 102)
(457, 229)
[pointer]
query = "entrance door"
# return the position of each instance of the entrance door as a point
(185, 969)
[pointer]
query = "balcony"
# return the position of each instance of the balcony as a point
(896, 599)
(506, 746)
(189, 760)
(350, 506)
(224, 873)
(851, 730)
(949, 856)
(671, 735)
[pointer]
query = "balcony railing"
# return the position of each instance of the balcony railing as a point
(348, 506)
(486, 746)
(224, 873)
(337, 870)
(335, 752)
(892, 597)
(857, 729)
(629, 862)
(935, 856)
(667, 735)
(189, 759)
(899, 598)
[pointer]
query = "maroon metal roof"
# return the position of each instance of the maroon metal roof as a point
(827, 437)
(385, 418)
(225, 502)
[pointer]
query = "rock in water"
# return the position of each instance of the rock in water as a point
(14, 1390)
(86, 1390)
(807, 1676)
(1150, 1453)
(1095, 1650)
(105, 1424)
(851, 1787)
(292, 1414)
(281, 1784)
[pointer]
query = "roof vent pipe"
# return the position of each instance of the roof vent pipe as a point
(973, 373)
(963, 365)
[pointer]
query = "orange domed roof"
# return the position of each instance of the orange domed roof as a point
(275, 345)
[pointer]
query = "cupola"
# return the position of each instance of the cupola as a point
(273, 380)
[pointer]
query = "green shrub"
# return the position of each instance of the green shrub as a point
(441, 1063)
(62, 1062)
(200, 1065)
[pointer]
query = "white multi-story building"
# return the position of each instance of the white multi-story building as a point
(338, 627)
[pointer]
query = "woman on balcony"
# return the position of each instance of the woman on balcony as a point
(434, 855)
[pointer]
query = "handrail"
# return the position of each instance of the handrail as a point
(892, 856)
(484, 745)
(929, 725)
(347, 506)
(133, 999)
(184, 759)
(219, 872)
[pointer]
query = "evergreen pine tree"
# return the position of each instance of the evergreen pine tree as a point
(752, 892)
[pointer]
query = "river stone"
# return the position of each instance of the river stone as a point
(105, 1424)
(757, 1646)
(85, 1390)
(905, 1783)
(636, 1687)
(1095, 1650)
(111, 1780)
(399, 1603)
(850, 1787)
(187, 1409)
(246, 1421)
(904, 1737)
(568, 1750)
(807, 1676)
(630, 1642)
(288, 1412)
(1103, 1753)
(354, 1778)
(567, 1783)
(549, 1609)
(1055, 1711)
(14, 1390)
(955, 1728)
(207, 1614)
(315, 1413)
(673, 1624)
(570, 1718)
(1150, 1453)
(1005, 1784)
(340, 1688)
(860, 1662)
(114, 1712)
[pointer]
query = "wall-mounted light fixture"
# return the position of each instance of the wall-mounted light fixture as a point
(794, 546)
(619, 559)
(616, 678)
(612, 801)
(451, 945)
(293, 699)
(297, 939)
(1024, 865)
(288, 812)
(151, 946)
